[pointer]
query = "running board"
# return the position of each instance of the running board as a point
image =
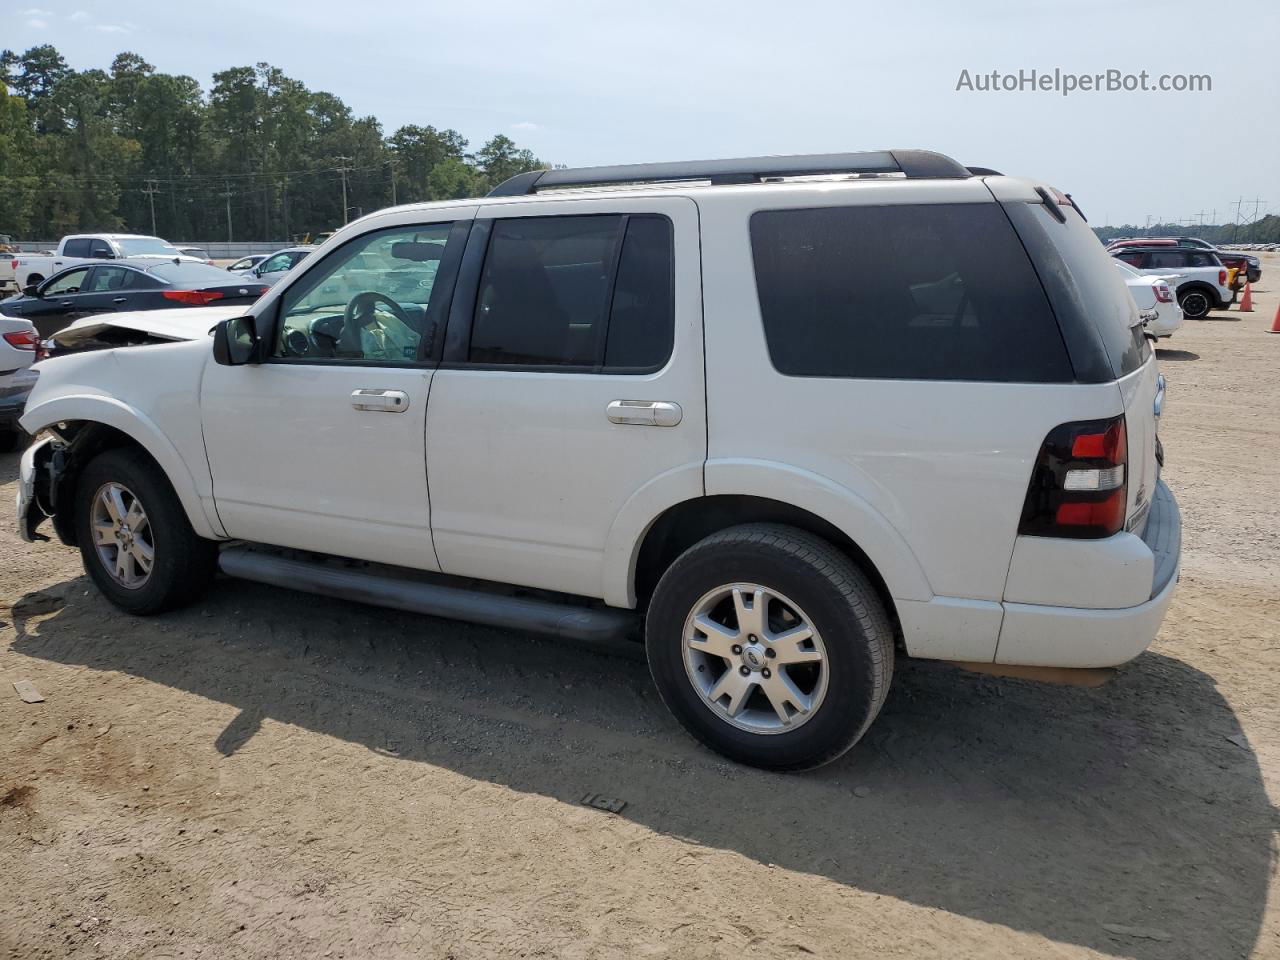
(590, 624)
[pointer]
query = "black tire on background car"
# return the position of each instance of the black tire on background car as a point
(1195, 304)
(134, 536)
(770, 646)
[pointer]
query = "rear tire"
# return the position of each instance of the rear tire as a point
(126, 506)
(770, 701)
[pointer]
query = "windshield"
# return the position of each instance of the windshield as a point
(187, 272)
(139, 246)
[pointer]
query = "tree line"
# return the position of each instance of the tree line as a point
(1263, 230)
(259, 156)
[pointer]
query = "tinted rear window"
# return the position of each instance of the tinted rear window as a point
(1099, 287)
(188, 272)
(921, 292)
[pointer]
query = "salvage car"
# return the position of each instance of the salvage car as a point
(788, 418)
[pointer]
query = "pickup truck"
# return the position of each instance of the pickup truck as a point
(30, 269)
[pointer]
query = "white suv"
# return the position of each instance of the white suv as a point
(794, 416)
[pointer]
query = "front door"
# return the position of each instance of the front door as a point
(572, 381)
(321, 446)
(62, 299)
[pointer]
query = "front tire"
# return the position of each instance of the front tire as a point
(770, 646)
(134, 536)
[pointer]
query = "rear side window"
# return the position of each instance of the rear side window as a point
(586, 292)
(919, 292)
(1167, 258)
(76, 248)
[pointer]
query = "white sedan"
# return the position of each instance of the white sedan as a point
(1159, 307)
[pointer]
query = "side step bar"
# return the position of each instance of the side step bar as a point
(590, 624)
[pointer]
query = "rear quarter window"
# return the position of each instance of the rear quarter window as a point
(1099, 290)
(921, 292)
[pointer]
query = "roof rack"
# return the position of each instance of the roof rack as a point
(913, 164)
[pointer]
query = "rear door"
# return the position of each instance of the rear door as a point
(572, 380)
(109, 289)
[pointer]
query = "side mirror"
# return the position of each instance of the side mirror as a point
(235, 342)
(101, 255)
(31, 290)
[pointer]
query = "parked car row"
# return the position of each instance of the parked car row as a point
(1201, 275)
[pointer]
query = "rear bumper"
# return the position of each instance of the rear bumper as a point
(1061, 636)
(13, 398)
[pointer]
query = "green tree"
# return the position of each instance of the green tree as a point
(452, 179)
(500, 159)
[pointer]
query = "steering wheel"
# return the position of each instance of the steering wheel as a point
(358, 313)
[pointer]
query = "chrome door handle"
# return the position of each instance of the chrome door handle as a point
(648, 413)
(382, 401)
(119, 299)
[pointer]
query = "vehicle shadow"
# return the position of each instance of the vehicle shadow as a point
(1034, 807)
(1166, 354)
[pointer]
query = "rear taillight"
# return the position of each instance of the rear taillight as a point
(22, 340)
(14, 263)
(1079, 485)
(1163, 293)
(1222, 278)
(195, 297)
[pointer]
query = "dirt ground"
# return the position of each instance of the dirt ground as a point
(277, 775)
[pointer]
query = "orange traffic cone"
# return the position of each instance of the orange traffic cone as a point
(1275, 324)
(1246, 302)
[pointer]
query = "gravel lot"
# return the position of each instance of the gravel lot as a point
(276, 775)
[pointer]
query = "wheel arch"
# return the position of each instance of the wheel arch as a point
(91, 424)
(685, 523)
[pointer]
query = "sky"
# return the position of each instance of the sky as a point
(593, 83)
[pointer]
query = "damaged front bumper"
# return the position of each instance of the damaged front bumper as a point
(33, 481)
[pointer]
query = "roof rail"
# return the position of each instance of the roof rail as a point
(914, 164)
(985, 172)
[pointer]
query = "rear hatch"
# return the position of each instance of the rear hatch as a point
(1102, 328)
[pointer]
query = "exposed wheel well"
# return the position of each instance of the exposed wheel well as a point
(84, 440)
(683, 525)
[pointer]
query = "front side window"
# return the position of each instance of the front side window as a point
(69, 282)
(278, 263)
(915, 292)
(584, 292)
(100, 249)
(368, 301)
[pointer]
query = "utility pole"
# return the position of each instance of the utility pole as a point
(1236, 229)
(343, 169)
(151, 191)
(227, 196)
(284, 205)
(391, 166)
